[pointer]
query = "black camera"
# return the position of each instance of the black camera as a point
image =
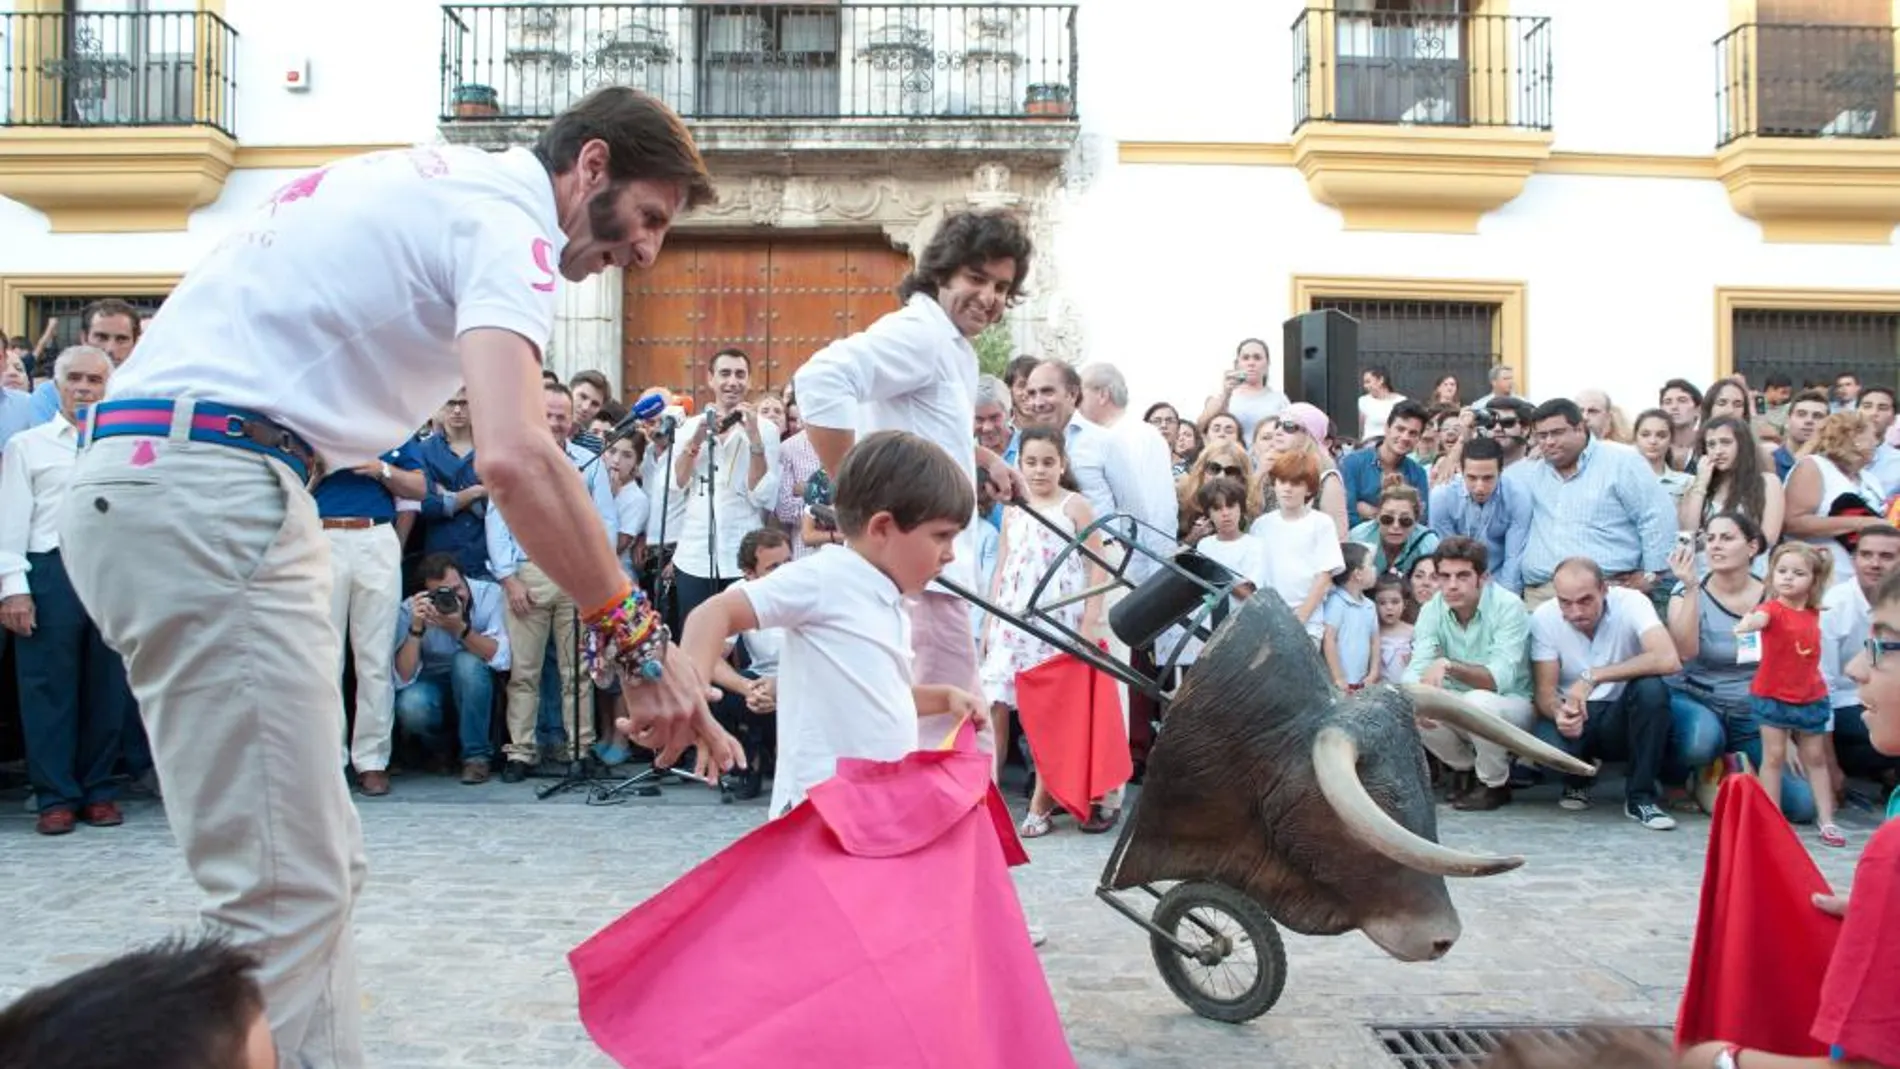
(1482, 420)
(446, 601)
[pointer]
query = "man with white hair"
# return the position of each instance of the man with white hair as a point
(74, 701)
(993, 429)
(1598, 414)
(1143, 479)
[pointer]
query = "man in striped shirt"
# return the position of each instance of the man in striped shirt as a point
(1588, 498)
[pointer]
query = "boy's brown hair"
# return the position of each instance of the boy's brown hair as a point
(1220, 492)
(899, 473)
(1821, 564)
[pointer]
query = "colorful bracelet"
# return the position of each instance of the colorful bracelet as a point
(631, 635)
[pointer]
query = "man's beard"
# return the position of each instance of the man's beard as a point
(601, 220)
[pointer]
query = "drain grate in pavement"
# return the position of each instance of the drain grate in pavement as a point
(1467, 1046)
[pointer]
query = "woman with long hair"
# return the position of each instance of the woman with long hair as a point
(1831, 494)
(1219, 460)
(1730, 479)
(1244, 391)
(1186, 447)
(1445, 392)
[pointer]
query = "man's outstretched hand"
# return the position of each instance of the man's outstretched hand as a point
(669, 714)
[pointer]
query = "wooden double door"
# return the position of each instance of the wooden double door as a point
(779, 300)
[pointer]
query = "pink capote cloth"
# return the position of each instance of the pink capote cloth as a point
(874, 926)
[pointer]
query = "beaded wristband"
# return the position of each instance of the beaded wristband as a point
(630, 635)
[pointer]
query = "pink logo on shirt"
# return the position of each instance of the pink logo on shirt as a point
(300, 189)
(543, 248)
(428, 163)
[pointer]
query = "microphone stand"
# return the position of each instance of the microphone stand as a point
(576, 774)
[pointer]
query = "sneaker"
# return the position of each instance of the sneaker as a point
(1649, 815)
(1574, 799)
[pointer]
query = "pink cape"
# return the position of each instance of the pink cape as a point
(874, 926)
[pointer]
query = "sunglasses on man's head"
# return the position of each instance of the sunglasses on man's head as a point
(1877, 648)
(1231, 470)
(1396, 521)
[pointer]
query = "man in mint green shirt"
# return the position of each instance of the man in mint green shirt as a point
(1473, 640)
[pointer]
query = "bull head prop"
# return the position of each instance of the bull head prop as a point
(1314, 804)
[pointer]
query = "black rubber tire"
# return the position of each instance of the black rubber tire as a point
(1270, 953)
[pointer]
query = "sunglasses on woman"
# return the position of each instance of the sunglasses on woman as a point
(1232, 471)
(1291, 426)
(1406, 522)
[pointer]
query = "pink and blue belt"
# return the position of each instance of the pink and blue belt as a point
(210, 422)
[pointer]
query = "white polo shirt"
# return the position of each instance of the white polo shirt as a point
(844, 671)
(1627, 617)
(336, 308)
(910, 371)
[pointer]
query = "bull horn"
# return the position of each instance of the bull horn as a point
(1336, 762)
(1448, 708)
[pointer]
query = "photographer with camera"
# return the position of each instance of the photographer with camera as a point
(452, 636)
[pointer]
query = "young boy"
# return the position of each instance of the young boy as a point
(845, 670)
(176, 1005)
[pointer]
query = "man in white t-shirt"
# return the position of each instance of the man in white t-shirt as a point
(915, 370)
(321, 332)
(1598, 657)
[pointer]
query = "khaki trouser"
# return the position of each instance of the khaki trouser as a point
(552, 618)
(206, 569)
(1463, 751)
(366, 569)
(1537, 595)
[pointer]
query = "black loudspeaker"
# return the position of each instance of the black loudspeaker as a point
(1321, 354)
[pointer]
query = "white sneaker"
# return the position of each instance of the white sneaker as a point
(1575, 799)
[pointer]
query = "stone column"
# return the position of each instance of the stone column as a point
(587, 327)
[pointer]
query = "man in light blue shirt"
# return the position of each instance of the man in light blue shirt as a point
(1586, 498)
(444, 659)
(1477, 506)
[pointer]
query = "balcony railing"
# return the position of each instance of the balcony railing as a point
(1411, 68)
(1805, 81)
(118, 68)
(764, 61)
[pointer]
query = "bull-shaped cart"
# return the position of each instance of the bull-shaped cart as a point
(1270, 798)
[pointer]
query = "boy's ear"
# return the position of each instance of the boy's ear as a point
(880, 525)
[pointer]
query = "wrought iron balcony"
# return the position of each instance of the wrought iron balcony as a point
(1416, 68)
(764, 61)
(118, 68)
(1805, 81)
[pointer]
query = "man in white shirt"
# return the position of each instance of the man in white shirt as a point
(541, 616)
(1846, 623)
(915, 370)
(322, 331)
(1598, 657)
(724, 464)
(73, 698)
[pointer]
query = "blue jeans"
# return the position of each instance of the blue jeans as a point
(422, 707)
(550, 722)
(1698, 735)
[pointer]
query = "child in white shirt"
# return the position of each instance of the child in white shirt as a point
(846, 687)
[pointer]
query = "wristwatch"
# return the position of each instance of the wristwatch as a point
(385, 472)
(466, 627)
(1589, 678)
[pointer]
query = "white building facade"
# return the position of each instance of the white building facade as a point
(1597, 195)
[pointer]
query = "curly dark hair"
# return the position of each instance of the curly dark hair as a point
(970, 239)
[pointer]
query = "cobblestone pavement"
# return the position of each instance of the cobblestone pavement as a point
(475, 895)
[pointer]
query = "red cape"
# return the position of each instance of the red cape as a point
(875, 925)
(1073, 718)
(1761, 947)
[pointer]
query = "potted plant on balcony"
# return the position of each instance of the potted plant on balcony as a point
(1049, 100)
(472, 101)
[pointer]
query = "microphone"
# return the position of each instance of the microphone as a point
(644, 409)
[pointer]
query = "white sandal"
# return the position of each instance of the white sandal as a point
(1036, 825)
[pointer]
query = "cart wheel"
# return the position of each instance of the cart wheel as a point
(1240, 967)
